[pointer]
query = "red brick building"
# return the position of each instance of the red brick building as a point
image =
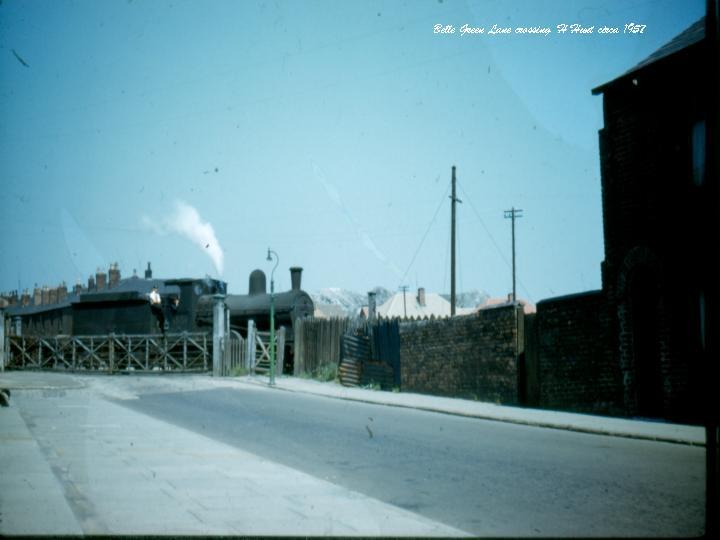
(655, 188)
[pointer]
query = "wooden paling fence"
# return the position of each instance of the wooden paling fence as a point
(318, 342)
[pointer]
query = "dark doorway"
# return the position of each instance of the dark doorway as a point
(646, 348)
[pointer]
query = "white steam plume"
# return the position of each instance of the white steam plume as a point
(186, 221)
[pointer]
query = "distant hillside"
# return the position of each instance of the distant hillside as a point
(351, 301)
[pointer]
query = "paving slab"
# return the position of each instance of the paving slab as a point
(149, 477)
(31, 500)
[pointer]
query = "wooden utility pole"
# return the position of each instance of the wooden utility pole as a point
(512, 214)
(454, 200)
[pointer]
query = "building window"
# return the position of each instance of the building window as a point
(701, 305)
(698, 152)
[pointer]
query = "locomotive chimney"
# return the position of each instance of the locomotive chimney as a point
(296, 277)
(148, 272)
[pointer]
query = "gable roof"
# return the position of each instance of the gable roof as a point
(695, 33)
(435, 305)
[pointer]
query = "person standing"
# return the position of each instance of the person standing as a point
(156, 308)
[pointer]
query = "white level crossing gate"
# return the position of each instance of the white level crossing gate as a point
(110, 353)
(258, 350)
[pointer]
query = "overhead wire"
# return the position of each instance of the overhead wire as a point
(432, 221)
(492, 239)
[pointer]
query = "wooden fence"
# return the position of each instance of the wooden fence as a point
(318, 342)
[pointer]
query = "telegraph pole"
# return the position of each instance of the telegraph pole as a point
(512, 214)
(454, 200)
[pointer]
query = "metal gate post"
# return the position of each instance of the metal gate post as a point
(2, 339)
(250, 353)
(111, 352)
(227, 352)
(204, 352)
(218, 333)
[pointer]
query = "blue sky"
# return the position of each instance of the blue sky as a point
(196, 134)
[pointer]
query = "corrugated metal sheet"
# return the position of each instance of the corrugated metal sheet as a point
(355, 352)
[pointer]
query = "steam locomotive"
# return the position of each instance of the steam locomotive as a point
(122, 307)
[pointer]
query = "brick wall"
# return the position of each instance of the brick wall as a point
(470, 357)
(577, 366)
(657, 222)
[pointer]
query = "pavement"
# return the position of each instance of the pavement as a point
(74, 461)
(602, 425)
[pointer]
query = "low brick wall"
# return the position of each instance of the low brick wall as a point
(577, 368)
(470, 357)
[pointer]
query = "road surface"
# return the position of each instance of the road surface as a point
(196, 455)
(487, 478)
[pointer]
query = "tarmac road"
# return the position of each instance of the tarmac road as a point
(487, 478)
(84, 454)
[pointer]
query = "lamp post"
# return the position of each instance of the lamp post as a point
(272, 314)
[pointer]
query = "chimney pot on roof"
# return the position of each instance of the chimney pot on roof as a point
(100, 279)
(372, 306)
(114, 275)
(421, 296)
(148, 272)
(62, 292)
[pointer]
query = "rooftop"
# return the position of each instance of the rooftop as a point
(695, 33)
